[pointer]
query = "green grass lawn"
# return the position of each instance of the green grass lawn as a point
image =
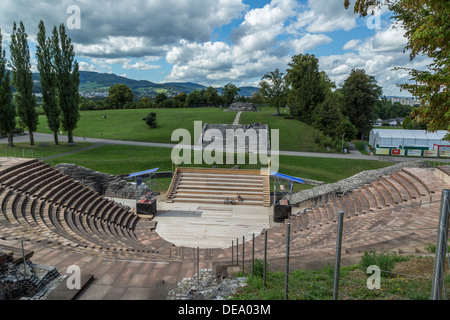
(25, 150)
(413, 282)
(122, 159)
(128, 124)
(359, 145)
(294, 135)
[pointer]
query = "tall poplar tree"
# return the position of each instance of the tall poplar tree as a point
(22, 80)
(68, 79)
(7, 108)
(47, 74)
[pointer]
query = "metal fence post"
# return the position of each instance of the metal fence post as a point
(265, 258)
(24, 261)
(338, 255)
(243, 253)
(237, 251)
(253, 254)
(436, 288)
(286, 280)
(232, 252)
(198, 265)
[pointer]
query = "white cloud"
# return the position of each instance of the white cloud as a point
(258, 46)
(262, 26)
(325, 16)
(309, 41)
(84, 66)
(140, 65)
(138, 34)
(352, 44)
(378, 56)
(133, 28)
(105, 64)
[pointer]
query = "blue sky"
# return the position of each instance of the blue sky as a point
(213, 42)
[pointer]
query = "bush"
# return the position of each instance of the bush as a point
(40, 111)
(150, 120)
(259, 268)
(385, 261)
(328, 142)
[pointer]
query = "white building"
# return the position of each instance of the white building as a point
(400, 139)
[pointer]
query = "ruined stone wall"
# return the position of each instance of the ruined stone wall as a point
(242, 106)
(34, 283)
(105, 184)
(321, 194)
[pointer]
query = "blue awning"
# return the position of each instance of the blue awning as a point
(286, 177)
(143, 173)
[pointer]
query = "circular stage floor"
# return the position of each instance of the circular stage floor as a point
(208, 225)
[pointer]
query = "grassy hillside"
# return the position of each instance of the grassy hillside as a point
(128, 124)
(294, 135)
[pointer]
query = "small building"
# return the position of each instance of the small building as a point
(404, 139)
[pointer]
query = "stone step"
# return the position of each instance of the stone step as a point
(220, 175)
(14, 255)
(62, 291)
(215, 201)
(231, 193)
(214, 181)
(222, 187)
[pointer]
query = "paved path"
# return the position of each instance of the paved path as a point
(236, 120)
(353, 154)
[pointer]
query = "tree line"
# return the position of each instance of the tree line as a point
(60, 78)
(339, 113)
(121, 96)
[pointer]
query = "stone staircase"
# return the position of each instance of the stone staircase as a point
(216, 186)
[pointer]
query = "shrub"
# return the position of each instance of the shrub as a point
(385, 260)
(431, 248)
(150, 120)
(259, 268)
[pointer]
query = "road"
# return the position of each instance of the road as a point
(353, 152)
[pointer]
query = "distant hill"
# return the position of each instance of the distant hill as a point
(101, 82)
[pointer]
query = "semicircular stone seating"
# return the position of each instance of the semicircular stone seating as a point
(399, 212)
(39, 204)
